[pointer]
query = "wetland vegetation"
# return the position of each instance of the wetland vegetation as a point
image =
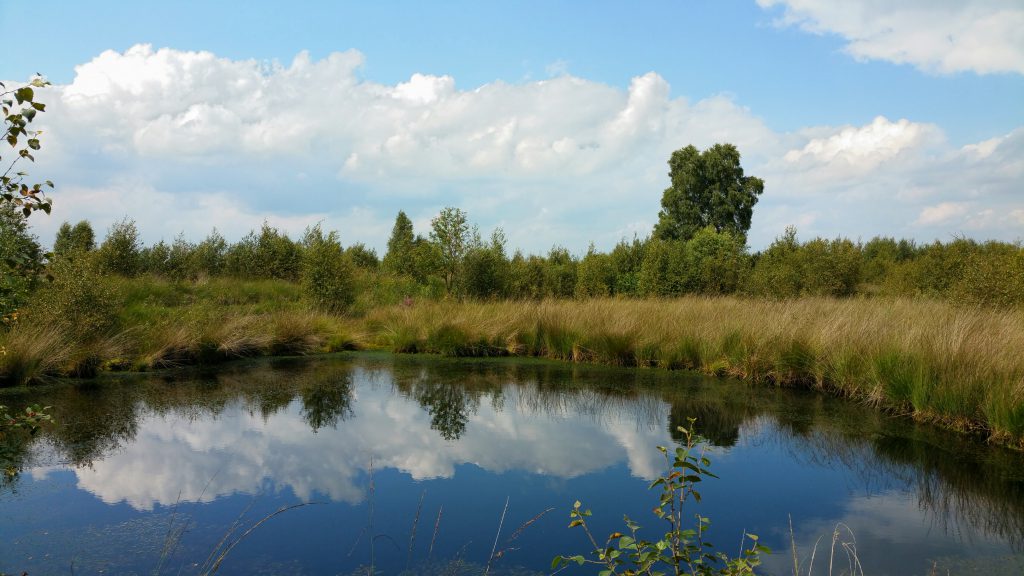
(927, 331)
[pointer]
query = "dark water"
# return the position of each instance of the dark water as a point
(147, 475)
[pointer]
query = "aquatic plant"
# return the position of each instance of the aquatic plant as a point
(682, 549)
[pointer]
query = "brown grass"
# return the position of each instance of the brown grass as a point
(961, 367)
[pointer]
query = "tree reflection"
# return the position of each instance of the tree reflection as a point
(325, 403)
(448, 405)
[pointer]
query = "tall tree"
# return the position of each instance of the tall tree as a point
(79, 238)
(399, 258)
(708, 189)
(450, 232)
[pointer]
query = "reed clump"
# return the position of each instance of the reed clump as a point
(956, 366)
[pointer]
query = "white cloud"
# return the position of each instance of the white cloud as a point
(948, 36)
(864, 147)
(184, 141)
(940, 213)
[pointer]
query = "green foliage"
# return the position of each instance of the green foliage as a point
(14, 191)
(363, 257)
(180, 260)
(717, 262)
(708, 189)
(425, 262)
(451, 234)
(208, 257)
(271, 254)
(559, 273)
(399, 258)
(327, 272)
(882, 255)
(655, 278)
(527, 280)
(788, 269)
(21, 261)
(683, 548)
(595, 274)
(121, 251)
(486, 269)
(626, 260)
(79, 238)
(79, 299)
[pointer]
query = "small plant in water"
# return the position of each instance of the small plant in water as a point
(682, 549)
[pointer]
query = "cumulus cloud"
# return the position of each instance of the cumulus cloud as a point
(864, 147)
(982, 36)
(184, 141)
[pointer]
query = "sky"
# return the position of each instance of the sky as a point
(553, 120)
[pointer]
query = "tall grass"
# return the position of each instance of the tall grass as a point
(960, 367)
(957, 366)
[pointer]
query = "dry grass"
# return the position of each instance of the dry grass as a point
(30, 353)
(960, 367)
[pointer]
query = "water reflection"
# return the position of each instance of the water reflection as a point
(201, 437)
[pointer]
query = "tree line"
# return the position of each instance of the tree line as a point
(454, 260)
(698, 246)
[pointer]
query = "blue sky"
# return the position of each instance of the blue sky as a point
(863, 120)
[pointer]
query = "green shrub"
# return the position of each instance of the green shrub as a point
(79, 298)
(327, 272)
(596, 275)
(120, 252)
(21, 261)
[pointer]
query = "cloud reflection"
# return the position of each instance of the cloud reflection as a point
(175, 457)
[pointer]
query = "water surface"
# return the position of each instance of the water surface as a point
(408, 463)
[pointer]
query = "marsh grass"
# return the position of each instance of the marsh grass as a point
(959, 367)
(31, 353)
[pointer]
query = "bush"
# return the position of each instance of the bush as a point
(485, 270)
(559, 273)
(717, 262)
(79, 299)
(120, 253)
(596, 275)
(209, 255)
(788, 269)
(327, 272)
(21, 260)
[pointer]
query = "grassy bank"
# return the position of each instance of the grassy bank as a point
(959, 367)
(955, 366)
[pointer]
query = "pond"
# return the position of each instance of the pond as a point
(414, 464)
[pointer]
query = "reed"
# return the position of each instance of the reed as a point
(956, 366)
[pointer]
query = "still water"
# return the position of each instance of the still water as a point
(412, 464)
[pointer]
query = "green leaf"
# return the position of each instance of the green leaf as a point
(24, 94)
